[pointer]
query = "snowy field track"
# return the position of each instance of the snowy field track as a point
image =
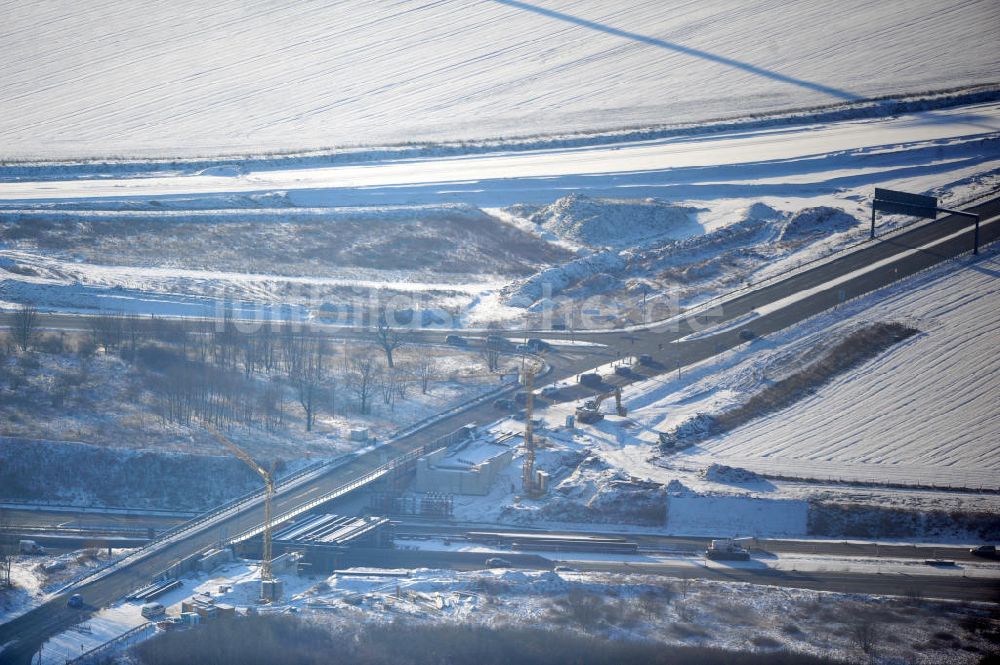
(925, 412)
(800, 161)
(130, 78)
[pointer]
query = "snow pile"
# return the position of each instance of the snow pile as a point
(687, 432)
(597, 492)
(821, 220)
(552, 280)
(720, 473)
(613, 222)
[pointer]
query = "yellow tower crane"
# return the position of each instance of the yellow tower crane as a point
(267, 585)
(528, 466)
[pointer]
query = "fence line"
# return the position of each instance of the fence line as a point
(101, 651)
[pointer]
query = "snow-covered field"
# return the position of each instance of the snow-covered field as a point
(887, 419)
(147, 78)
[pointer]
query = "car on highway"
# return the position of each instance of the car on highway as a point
(747, 335)
(455, 340)
(538, 345)
(504, 404)
(75, 601)
(498, 562)
(985, 551)
(565, 569)
(550, 391)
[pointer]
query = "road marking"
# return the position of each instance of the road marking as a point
(782, 303)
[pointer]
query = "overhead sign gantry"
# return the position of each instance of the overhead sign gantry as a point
(916, 205)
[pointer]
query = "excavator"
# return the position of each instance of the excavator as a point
(590, 412)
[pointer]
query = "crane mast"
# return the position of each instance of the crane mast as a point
(268, 477)
(528, 468)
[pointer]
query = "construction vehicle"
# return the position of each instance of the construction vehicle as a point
(30, 547)
(590, 412)
(270, 589)
(727, 549)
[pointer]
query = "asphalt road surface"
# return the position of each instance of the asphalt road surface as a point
(890, 260)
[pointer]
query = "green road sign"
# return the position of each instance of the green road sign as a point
(904, 203)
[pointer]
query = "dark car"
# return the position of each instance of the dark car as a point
(497, 562)
(455, 340)
(504, 404)
(986, 551)
(593, 380)
(538, 345)
(75, 601)
(746, 335)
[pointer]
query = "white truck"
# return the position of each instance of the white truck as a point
(30, 547)
(728, 549)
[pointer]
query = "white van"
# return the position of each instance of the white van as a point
(150, 610)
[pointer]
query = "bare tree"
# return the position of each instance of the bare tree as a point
(308, 376)
(865, 632)
(272, 405)
(7, 550)
(25, 326)
(424, 371)
(361, 380)
(491, 350)
(387, 385)
(133, 331)
(387, 337)
(108, 331)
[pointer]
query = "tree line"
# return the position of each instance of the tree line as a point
(225, 376)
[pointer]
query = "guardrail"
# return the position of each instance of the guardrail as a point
(101, 652)
(799, 268)
(35, 504)
(249, 497)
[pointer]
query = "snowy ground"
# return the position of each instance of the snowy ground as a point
(36, 577)
(884, 421)
(130, 78)
(703, 214)
(674, 611)
(879, 436)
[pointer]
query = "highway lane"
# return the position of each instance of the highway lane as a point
(90, 519)
(947, 587)
(111, 524)
(697, 545)
(32, 628)
(891, 581)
